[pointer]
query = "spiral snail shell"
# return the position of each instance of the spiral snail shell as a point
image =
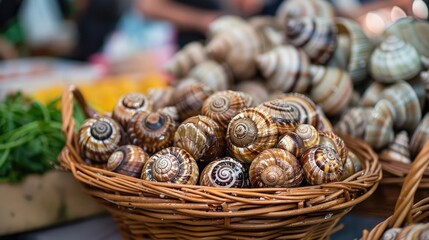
(292, 143)
(269, 31)
(420, 136)
(275, 168)
(398, 149)
(391, 234)
(379, 125)
(189, 99)
(302, 8)
(98, 138)
(249, 133)
(308, 134)
(394, 60)
(127, 160)
(184, 60)
(161, 97)
(339, 144)
(201, 137)
(170, 111)
(372, 94)
(224, 105)
(173, 165)
(321, 165)
(351, 166)
(151, 131)
(128, 105)
(212, 74)
(257, 90)
(286, 68)
(304, 106)
(354, 122)
(225, 172)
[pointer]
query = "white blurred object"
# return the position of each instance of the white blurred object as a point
(420, 9)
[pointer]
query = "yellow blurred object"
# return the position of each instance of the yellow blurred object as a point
(103, 94)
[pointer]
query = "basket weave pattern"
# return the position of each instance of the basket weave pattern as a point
(144, 209)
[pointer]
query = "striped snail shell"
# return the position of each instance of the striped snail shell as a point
(189, 99)
(225, 23)
(372, 94)
(170, 111)
(212, 74)
(303, 8)
(351, 166)
(161, 97)
(127, 160)
(128, 105)
(308, 134)
(173, 165)
(257, 90)
(269, 31)
(338, 144)
(398, 149)
(394, 60)
(420, 136)
(225, 172)
(321, 165)
(292, 143)
(224, 105)
(201, 137)
(316, 36)
(185, 59)
(98, 138)
(286, 69)
(249, 133)
(379, 125)
(413, 31)
(332, 89)
(307, 110)
(354, 121)
(275, 167)
(238, 48)
(151, 131)
(324, 124)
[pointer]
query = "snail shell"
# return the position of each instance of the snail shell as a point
(257, 90)
(190, 98)
(304, 106)
(339, 144)
(222, 106)
(98, 138)
(292, 143)
(161, 97)
(391, 234)
(308, 134)
(275, 168)
(418, 86)
(321, 165)
(202, 137)
(332, 89)
(225, 172)
(269, 32)
(398, 149)
(225, 23)
(170, 111)
(173, 165)
(379, 125)
(394, 60)
(351, 166)
(323, 124)
(151, 131)
(416, 231)
(286, 69)
(249, 133)
(372, 94)
(185, 59)
(127, 160)
(128, 105)
(412, 30)
(424, 76)
(420, 136)
(211, 74)
(354, 122)
(303, 8)
(316, 36)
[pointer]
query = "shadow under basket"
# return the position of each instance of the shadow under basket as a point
(154, 210)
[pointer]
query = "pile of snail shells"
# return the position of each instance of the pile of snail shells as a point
(228, 142)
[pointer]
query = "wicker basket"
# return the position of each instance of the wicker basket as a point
(405, 212)
(153, 210)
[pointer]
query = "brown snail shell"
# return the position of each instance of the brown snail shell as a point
(420, 136)
(316, 36)
(255, 89)
(304, 106)
(379, 125)
(269, 31)
(351, 166)
(292, 143)
(173, 165)
(321, 165)
(185, 59)
(303, 8)
(308, 134)
(286, 69)
(151, 131)
(224, 105)
(324, 124)
(332, 89)
(398, 149)
(171, 111)
(339, 144)
(128, 105)
(275, 168)
(394, 60)
(372, 94)
(211, 74)
(98, 138)
(249, 133)
(161, 97)
(413, 31)
(190, 98)
(201, 137)
(225, 172)
(354, 122)
(127, 160)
